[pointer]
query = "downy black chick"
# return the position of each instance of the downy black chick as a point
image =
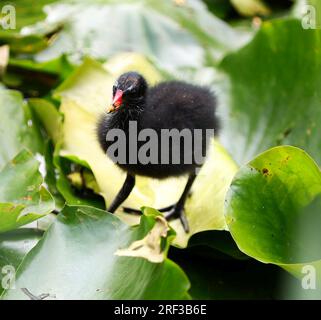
(162, 108)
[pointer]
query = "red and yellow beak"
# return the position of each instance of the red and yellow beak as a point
(117, 101)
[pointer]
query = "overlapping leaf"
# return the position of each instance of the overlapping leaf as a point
(23, 199)
(14, 16)
(17, 129)
(45, 76)
(162, 30)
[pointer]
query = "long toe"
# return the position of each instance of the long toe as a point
(132, 211)
(178, 212)
(184, 221)
(166, 209)
(170, 213)
(136, 211)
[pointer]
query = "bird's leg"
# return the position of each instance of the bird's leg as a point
(177, 210)
(123, 194)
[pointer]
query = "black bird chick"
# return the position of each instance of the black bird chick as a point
(164, 107)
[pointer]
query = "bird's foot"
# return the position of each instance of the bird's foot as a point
(139, 212)
(132, 211)
(177, 211)
(170, 213)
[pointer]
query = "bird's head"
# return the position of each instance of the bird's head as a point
(129, 90)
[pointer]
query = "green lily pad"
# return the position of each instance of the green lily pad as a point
(17, 129)
(14, 245)
(23, 198)
(273, 209)
(27, 12)
(273, 93)
(90, 254)
(162, 30)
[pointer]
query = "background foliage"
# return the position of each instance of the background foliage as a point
(255, 208)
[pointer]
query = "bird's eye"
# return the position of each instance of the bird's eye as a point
(131, 89)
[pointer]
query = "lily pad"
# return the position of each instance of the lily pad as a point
(23, 198)
(273, 93)
(273, 209)
(76, 259)
(27, 12)
(164, 31)
(14, 246)
(17, 129)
